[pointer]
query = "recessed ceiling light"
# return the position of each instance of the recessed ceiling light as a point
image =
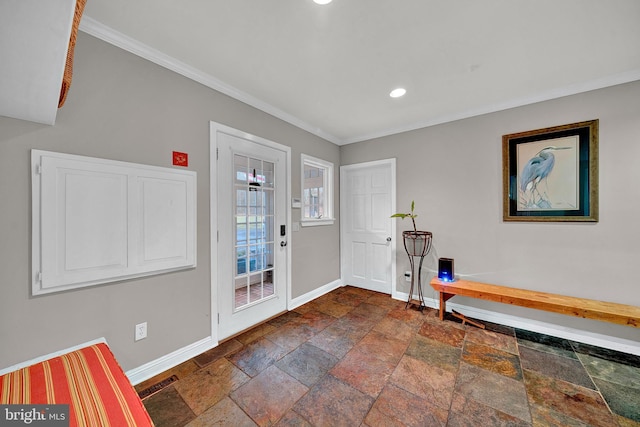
(322, 1)
(397, 93)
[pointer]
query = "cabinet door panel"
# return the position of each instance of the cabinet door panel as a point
(97, 221)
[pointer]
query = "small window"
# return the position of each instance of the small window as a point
(317, 191)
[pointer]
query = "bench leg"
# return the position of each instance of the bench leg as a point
(444, 297)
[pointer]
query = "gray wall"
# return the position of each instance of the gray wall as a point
(122, 107)
(454, 173)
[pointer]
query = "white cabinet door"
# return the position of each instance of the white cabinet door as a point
(166, 231)
(96, 221)
(83, 215)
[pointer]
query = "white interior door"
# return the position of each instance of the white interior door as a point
(368, 236)
(252, 226)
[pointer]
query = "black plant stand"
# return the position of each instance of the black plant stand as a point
(417, 244)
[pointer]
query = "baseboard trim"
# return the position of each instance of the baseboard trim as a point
(579, 335)
(318, 292)
(157, 366)
(170, 360)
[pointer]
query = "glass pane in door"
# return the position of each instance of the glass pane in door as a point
(254, 230)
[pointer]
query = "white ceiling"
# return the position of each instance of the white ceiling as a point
(329, 69)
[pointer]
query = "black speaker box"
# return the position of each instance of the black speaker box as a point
(445, 269)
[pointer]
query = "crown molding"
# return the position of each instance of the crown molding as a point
(574, 89)
(107, 34)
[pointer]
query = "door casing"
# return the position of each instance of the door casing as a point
(216, 128)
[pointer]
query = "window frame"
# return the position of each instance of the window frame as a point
(328, 191)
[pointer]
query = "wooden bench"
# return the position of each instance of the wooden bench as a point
(621, 314)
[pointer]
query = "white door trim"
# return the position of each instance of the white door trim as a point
(343, 215)
(213, 211)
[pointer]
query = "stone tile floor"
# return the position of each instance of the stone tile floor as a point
(359, 358)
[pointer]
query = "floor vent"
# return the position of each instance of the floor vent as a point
(153, 389)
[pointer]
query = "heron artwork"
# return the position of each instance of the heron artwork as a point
(536, 170)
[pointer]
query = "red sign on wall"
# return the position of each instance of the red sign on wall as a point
(180, 159)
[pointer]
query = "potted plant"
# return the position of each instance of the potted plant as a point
(416, 243)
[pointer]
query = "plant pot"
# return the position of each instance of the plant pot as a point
(417, 243)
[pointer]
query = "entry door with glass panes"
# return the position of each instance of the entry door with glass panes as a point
(252, 224)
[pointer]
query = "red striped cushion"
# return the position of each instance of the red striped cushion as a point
(89, 380)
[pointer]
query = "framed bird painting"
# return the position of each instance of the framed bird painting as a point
(551, 174)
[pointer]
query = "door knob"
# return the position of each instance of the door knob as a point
(388, 239)
(283, 244)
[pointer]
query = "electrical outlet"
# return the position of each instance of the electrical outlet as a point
(407, 276)
(141, 331)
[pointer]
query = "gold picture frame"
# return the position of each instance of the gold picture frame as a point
(551, 174)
